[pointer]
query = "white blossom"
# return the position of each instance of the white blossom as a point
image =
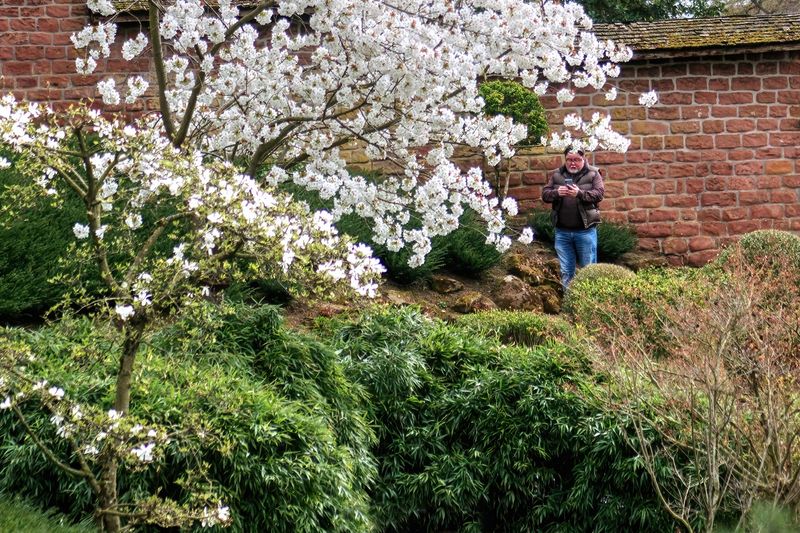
(648, 99)
(6, 404)
(526, 237)
(108, 91)
(81, 231)
(133, 47)
(144, 453)
(133, 220)
(124, 311)
(56, 392)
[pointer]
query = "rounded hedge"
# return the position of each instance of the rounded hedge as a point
(765, 247)
(512, 99)
(602, 271)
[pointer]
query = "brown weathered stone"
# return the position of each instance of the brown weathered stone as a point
(445, 284)
(550, 298)
(472, 302)
(396, 297)
(514, 294)
(638, 260)
(533, 269)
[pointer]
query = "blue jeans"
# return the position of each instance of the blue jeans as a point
(575, 246)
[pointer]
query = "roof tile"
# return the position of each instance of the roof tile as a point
(703, 33)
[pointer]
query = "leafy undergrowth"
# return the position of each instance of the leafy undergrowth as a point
(17, 515)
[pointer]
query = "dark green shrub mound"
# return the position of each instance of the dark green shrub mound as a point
(467, 251)
(31, 243)
(764, 247)
(39, 263)
(540, 221)
(513, 100)
(287, 442)
(476, 436)
(613, 239)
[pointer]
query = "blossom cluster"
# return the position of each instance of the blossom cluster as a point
(231, 213)
(394, 75)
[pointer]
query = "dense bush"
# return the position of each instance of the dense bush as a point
(518, 327)
(467, 251)
(601, 271)
(765, 247)
(512, 99)
(32, 240)
(39, 266)
(723, 341)
(540, 221)
(598, 302)
(477, 436)
(613, 239)
(285, 437)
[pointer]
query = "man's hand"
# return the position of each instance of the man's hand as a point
(568, 190)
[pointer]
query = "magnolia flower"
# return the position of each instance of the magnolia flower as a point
(144, 453)
(124, 311)
(56, 392)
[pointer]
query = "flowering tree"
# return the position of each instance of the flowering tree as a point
(252, 98)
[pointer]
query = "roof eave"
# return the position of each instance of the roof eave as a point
(660, 53)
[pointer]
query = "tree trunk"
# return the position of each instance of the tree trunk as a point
(108, 482)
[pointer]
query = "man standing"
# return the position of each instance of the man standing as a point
(575, 189)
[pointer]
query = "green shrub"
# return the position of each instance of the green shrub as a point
(17, 515)
(540, 221)
(39, 265)
(512, 99)
(633, 305)
(32, 241)
(286, 442)
(613, 239)
(476, 436)
(467, 250)
(602, 271)
(518, 327)
(765, 247)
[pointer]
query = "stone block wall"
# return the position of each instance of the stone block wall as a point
(716, 158)
(37, 59)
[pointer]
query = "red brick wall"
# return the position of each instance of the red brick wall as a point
(716, 158)
(37, 59)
